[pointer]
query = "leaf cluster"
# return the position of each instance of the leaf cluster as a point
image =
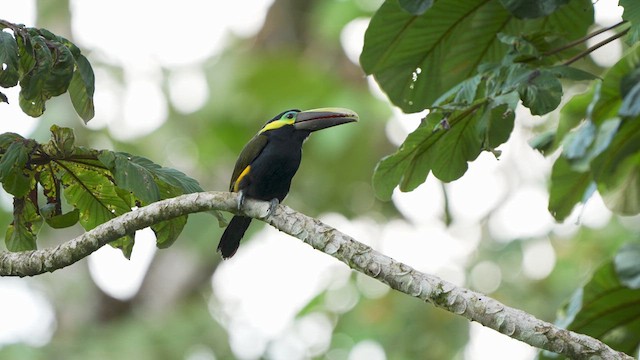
(470, 63)
(61, 184)
(44, 65)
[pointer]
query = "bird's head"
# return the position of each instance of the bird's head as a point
(310, 120)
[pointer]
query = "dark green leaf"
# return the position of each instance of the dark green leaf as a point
(63, 220)
(543, 142)
(131, 173)
(527, 9)
(15, 177)
(7, 139)
(632, 14)
(3, 98)
(167, 231)
(454, 38)
(572, 114)
(9, 74)
(627, 265)
(61, 72)
(571, 73)
(631, 104)
(567, 188)
(616, 170)
(606, 309)
(495, 125)
(390, 169)
(81, 88)
(416, 7)
(32, 92)
(125, 244)
(541, 93)
(608, 97)
(21, 234)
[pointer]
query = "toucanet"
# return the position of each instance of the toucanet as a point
(269, 161)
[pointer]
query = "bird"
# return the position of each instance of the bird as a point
(268, 162)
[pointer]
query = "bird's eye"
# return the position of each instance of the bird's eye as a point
(289, 115)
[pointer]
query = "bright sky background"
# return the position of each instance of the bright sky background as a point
(516, 182)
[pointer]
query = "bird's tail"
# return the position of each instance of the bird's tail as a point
(230, 240)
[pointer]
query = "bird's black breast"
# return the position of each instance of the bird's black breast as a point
(272, 171)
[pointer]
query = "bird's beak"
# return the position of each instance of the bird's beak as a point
(318, 119)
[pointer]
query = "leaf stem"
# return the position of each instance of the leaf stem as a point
(582, 39)
(596, 47)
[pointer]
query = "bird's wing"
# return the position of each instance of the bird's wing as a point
(249, 153)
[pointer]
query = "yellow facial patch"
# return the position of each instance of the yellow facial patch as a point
(242, 174)
(287, 119)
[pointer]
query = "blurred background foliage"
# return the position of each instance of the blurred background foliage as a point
(297, 59)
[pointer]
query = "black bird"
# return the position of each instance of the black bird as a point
(269, 161)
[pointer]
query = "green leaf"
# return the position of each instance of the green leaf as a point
(416, 59)
(167, 231)
(32, 94)
(8, 138)
(131, 173)
(9, 74)
(16, 179)
(62, 142)
(627, 265)
(616, 170)
(89, 190)
(390, 169)
(609, 97)
(606, 309)
(632, 14)
(61, 72)
(527, 9)
(571, 73)
(416, 7)
(81, 88)
(21, 233)
(63, 220)
(631, 104)
(568, 187)
(571, 115)
(541, 93)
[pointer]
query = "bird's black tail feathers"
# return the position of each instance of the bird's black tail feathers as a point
(230, 240)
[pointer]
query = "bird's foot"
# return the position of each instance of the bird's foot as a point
(240, 200)
(273, 203)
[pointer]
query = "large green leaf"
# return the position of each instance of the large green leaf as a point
(8, 60)
(21, 233)
(606, 307)
(617, 170)
(632, 14)
(568, 187)
(527, 9)
(81, 88)
(90, 191)
(16, 178)
(416, 59)
(32, 93)
(131, 173)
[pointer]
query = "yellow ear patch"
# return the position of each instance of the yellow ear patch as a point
(278, 124)
(242, 174)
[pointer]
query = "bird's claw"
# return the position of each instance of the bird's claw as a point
(273, 204)
(240, 200)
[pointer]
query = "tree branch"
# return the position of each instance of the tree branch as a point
(474, 306)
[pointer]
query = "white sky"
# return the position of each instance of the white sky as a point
(179, 37)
